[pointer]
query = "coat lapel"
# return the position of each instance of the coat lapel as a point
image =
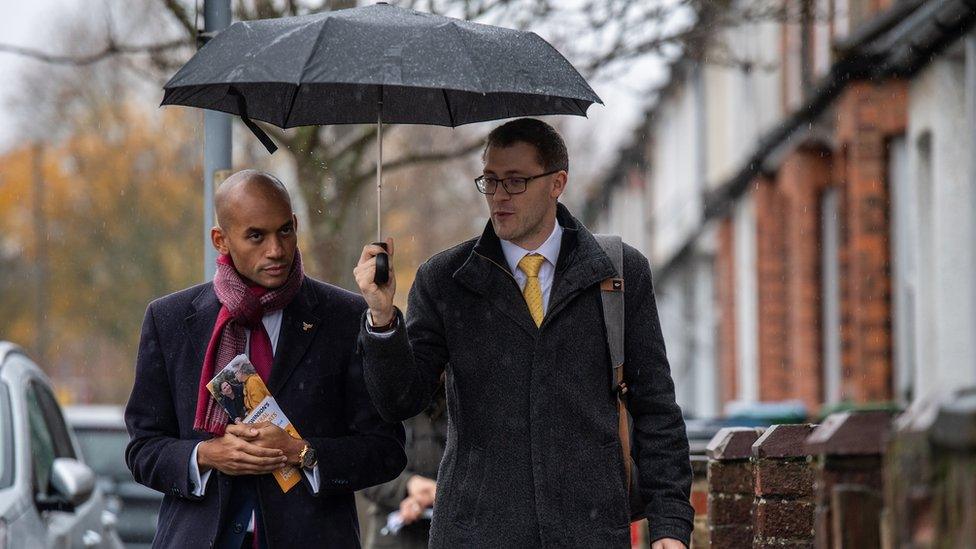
(199, 326)
(299, 324)
(581, 264)
(486, 273)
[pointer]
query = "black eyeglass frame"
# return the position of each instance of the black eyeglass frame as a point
(481, 181)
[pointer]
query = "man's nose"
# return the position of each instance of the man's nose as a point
(275, 247)
(500, 194)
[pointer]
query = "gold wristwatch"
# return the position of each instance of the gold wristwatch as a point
(307, 457)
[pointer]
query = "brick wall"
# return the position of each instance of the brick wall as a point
(725, 297)
(788, 263)
(804, 174)
(867, 114)
(771, 263)
(788, 269)
(858, 480)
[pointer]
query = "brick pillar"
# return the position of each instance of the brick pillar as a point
(730, 487)
(699, 500)
(804, 174)
(783, 506)
(771, 261)
(725, 293)
(953, 439)
(908, 479)
(867, 114)
(848, 447)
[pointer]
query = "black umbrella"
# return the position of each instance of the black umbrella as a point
(377, 63)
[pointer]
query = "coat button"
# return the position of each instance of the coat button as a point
(238, 528)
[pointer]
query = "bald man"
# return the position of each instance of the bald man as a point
(300, 335)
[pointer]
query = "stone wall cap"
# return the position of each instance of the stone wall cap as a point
(731, 443)
(851, 434)
(920, 414)
(955, 425)
(783, 441)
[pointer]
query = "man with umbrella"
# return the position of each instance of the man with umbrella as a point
(514, 318)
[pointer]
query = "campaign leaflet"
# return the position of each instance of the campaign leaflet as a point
(242, 393)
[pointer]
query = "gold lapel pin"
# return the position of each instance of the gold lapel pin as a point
(306, 326)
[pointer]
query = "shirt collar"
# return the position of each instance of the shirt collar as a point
(549, 249)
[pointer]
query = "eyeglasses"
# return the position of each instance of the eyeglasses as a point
(513, 185)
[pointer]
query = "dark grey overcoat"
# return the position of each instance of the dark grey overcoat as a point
(533, 456)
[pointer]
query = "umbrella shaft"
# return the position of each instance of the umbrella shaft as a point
(379, 173)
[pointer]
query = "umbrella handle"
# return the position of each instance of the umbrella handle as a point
(382, 274)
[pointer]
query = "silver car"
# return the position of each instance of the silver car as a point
(48, 496)
(100, 430)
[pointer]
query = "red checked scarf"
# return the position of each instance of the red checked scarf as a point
(243, 305)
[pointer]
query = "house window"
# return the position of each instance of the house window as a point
(746, 301)
(904, 269)
(925, 275)
(830, 282)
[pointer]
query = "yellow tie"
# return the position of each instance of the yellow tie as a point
(530, 265)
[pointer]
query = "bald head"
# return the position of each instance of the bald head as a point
(247, 185)
(256, 226)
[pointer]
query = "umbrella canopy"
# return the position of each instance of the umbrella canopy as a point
(378, 64)
(351, 66)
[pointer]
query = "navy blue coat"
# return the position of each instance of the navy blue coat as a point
(317, 380)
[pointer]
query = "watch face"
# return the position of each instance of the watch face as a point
(308, 457)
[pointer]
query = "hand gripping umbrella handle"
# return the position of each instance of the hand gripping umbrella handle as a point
(382, 274)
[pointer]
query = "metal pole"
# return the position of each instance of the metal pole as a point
(216, 141)
(42, 337)
(971, 116)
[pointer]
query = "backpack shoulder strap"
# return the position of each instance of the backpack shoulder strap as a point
(612, 294)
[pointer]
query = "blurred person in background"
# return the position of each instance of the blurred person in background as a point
(411, 495)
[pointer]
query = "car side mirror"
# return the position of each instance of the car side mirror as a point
(72, 480)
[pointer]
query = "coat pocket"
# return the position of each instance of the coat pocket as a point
(471, 488)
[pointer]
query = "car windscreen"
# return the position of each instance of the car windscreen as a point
(6, 439)
(104, 451)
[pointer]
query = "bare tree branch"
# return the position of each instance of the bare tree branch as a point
(358, 142)
(110, 49)
(420, 157)
(177, 10)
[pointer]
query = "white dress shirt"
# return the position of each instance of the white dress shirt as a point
(549, 250)
(198, 482)
(513, 254)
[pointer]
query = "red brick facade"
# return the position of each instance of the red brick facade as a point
(771, 283)
(788, 268)
(725, 295)
(802, 177)
(788, 264)
(867, 115)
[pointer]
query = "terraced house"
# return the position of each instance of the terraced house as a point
(805, 187)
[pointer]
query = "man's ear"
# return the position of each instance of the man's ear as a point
(219, 240)
(559, 181)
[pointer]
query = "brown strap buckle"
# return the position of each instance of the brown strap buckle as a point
(612, 285)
